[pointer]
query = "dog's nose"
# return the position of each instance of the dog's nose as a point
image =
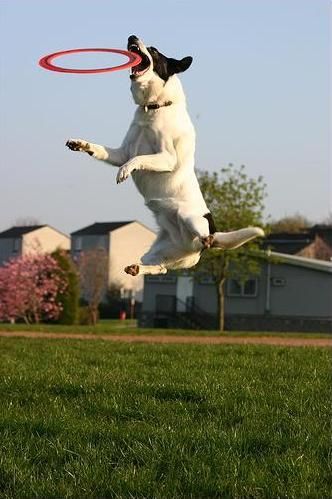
(132, 39)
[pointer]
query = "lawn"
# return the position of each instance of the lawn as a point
(128, 326)
(95, 419)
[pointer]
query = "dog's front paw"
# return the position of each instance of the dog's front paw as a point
(123, 173)
(127, 169)
(79, 145)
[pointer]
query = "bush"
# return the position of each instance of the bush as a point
(31, 289)
(85, 316)
(70, 298)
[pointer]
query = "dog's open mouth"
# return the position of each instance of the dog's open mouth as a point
(143, 66)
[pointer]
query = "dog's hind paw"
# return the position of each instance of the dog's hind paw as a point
(132, 269)
(207, 241)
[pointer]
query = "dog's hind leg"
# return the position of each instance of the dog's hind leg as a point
(200, 229)
(152, 262)
(235, 239)
(138, 269)
(163, 255)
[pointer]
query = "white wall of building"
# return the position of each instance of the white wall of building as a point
(44, 240)
(127, 245)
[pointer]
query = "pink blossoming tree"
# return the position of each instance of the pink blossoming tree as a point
(30, 287)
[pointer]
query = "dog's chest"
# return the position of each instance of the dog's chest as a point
(145, 138)
(144, 141)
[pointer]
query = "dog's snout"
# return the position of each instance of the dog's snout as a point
(132, 39)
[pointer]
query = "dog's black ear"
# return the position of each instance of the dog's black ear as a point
(178, 66)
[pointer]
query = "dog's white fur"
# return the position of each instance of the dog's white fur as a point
(158, 152)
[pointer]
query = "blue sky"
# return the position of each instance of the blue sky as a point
(258, 94)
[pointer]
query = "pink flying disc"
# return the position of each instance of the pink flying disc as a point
(46, 62)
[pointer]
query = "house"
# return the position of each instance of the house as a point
(23, 240)
(315, 242)
(287, 242)
(319, 248)
(324, 231)
(291, 293)
(124, 243)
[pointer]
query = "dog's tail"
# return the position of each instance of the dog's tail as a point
(235, 239)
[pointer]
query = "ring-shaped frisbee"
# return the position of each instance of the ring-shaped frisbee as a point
(46, 62)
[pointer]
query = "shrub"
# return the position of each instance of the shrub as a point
(31, 289)
(70, 298)
(85, 316)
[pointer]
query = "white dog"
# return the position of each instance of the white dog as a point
(158, 152)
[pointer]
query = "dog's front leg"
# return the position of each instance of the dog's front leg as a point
(159, 162)
(115, 157)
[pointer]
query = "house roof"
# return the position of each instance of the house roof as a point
(293, 243)
(286, 242)
(324, 231)
(321, 228)
(301, 261)
(319, 249)
(100, 228)
(19, 231)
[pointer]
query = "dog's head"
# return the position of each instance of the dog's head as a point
(155, 71)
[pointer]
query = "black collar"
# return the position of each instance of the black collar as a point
(148, 107)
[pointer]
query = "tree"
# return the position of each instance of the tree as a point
(327, 220)
(292, 223)
(30, 289)
(92, 266)
(70, 297)
(26, 221)
(235, 201)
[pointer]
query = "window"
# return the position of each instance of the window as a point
(16, 245)
(278, 281)
(127, 293)
(78, 244)
(246, 289)
(250, 287)
(163, 279)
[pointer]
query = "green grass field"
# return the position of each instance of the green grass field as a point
(130, 327)
(95, 419)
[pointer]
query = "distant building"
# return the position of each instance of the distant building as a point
(318, 249)
(287, 242)
(124, 242)
(324, 231)
(315, 242)
(23, 240)
(291, 293)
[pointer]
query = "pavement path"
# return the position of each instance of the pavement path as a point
(195, 340)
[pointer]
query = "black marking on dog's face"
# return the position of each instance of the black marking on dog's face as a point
(163, 66)
(166, 66)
